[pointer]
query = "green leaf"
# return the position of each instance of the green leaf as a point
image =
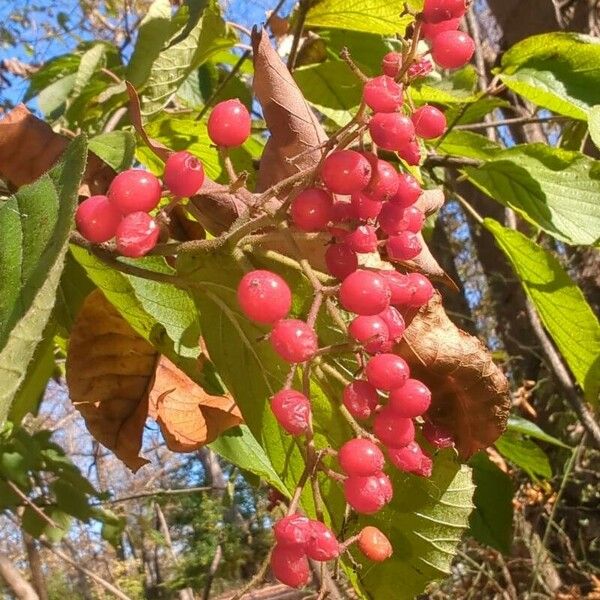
(469, 144)
(52, 100)
(91, 62)
(557, 71)
(36, 526)
(554, 189)
(491, 521)
(35, 225)
(474, 112)
(525, 454)
(116, 149)
(71, 500)
(523, 426)
(594, 122)
(561, 305)
(51, 71)
(372, 16)
(112, 526)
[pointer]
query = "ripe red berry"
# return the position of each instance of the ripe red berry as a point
(292, 530)
(97, 219)
(452, 49)
(387, 371)
(409, 191)
(136, 234)
(229, 124)
(322, 545)
(391, 64)
(430, 30)
(384, 181)
(290, 566)
(391, 219)
(346, 172)
(411, 459)
(437, 436)
(429, 122)
(374, 545)
(385, 485)
(292, 411)
(372, 332)
(294, 340)
(395, 324)
(435, 11)
(365, 293)
(399, 287)
(366, 495)
(341, 260)
(312, 210)
(393, 431)
(411, 153)
(184, 174)
(411, 400)
(342, 211)
(391, 131)
(383, 95)
(365, 207)
(361, 399)
(264, 297)
(404, 246)
(362, 240)
(134, 190)
(421, 290)
(360, 457)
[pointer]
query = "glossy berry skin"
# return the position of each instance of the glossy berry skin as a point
(399, 286)
(391, 131)
(290, 566)
(371, 332)
(366, 495)
(322, 545)
(411, 153)
(404, 246)
(421, 290)
(346, 172)
(411, 459)
(429, 122)
(364, 208)
(384, 181)
(292, 411)
(374, 544)
(362, 240)
(341, 260)
(437, 436)
(343, 211)
(365, 293)
(383, 95)
(294, 340)
(134, 191)
(136, 234)
(184, 174)
(264, 297)
(395, 324)
(97, 219)
(411, 400)
(409, 191)
(293, 530)
(361, 399)
(436, 11)
(430, 30)
(312, 210)
(391, 219)
(387, 371)
(452, 49)
(229, 124)
(360, 457)
(391, 64)
(385, 485)
(393, 431)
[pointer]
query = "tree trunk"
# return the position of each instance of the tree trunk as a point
(35, 565)
(21, 588)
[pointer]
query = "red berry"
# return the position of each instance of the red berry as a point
(383, 94)
(430, 30)
(437, 436)
(429, 122)
(391, 131)
(134, 191)
(374, 545)
(360, 457)
(292, 411)
(411, 400)
(391, 219)
(392, 430)
(294, 340)
(391, 64)
(421, 288)
(361, 399)
(364, 207)
(384, 181)
(346, 172)
(136, 234)
(420, 68)
(395, 324)
(97, 219)
(362, 240)
(290, 566)
(365, 293)
(385, 485)
(452, 49)
(312, 210)
(409, 191)
(342, 211)
(387, 371)
(341, 260)
(366, 495)
(404, 246)
(264, 297)
(293, 530)
(371, 332)
(229, 124)
(411, 153)
(435, 11)
(399, 287)
(411, 459)
(322, 545)
(184, 174)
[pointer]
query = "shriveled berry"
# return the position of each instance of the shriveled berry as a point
(362, 240)
(136, 234)
(436, 11)
(292, 530)
(393, 431)
(341, 260)
(411, 153)
(343, 211)
(411, 459)
(365, 293)
(391, 131)
(452, 49)
(184, 174)
(420, 68)
(437, 436)
(374, 544)
(97, 219)
(322, 545)
(430, 30)
(361, 399)
(404, 246)
(409, 191)
(391, 64)
(387, 371)
(384, 181)
(134, 190)
(366, 495)
(264, 297)
(411, 400)
(383, 95)
(289, 565)
(292, 411)
(395, 324)
(421, 288)
(312, 210)
(346, 172)
(360, 457)
(229, 124)
(365, 207)
(294, 340)
(400, 288)
(429, 121)
(372, 332)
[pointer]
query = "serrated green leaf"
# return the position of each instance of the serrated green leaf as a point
(116, 149)
(469, 145)
(91, 62)
(566, 315)
(594, 123)
(525, 427)
(51, 71)
(525, 454)
(474, 113)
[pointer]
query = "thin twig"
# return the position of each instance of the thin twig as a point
(36, 509)
(300, 20)
(507, 122)
(160, 493)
